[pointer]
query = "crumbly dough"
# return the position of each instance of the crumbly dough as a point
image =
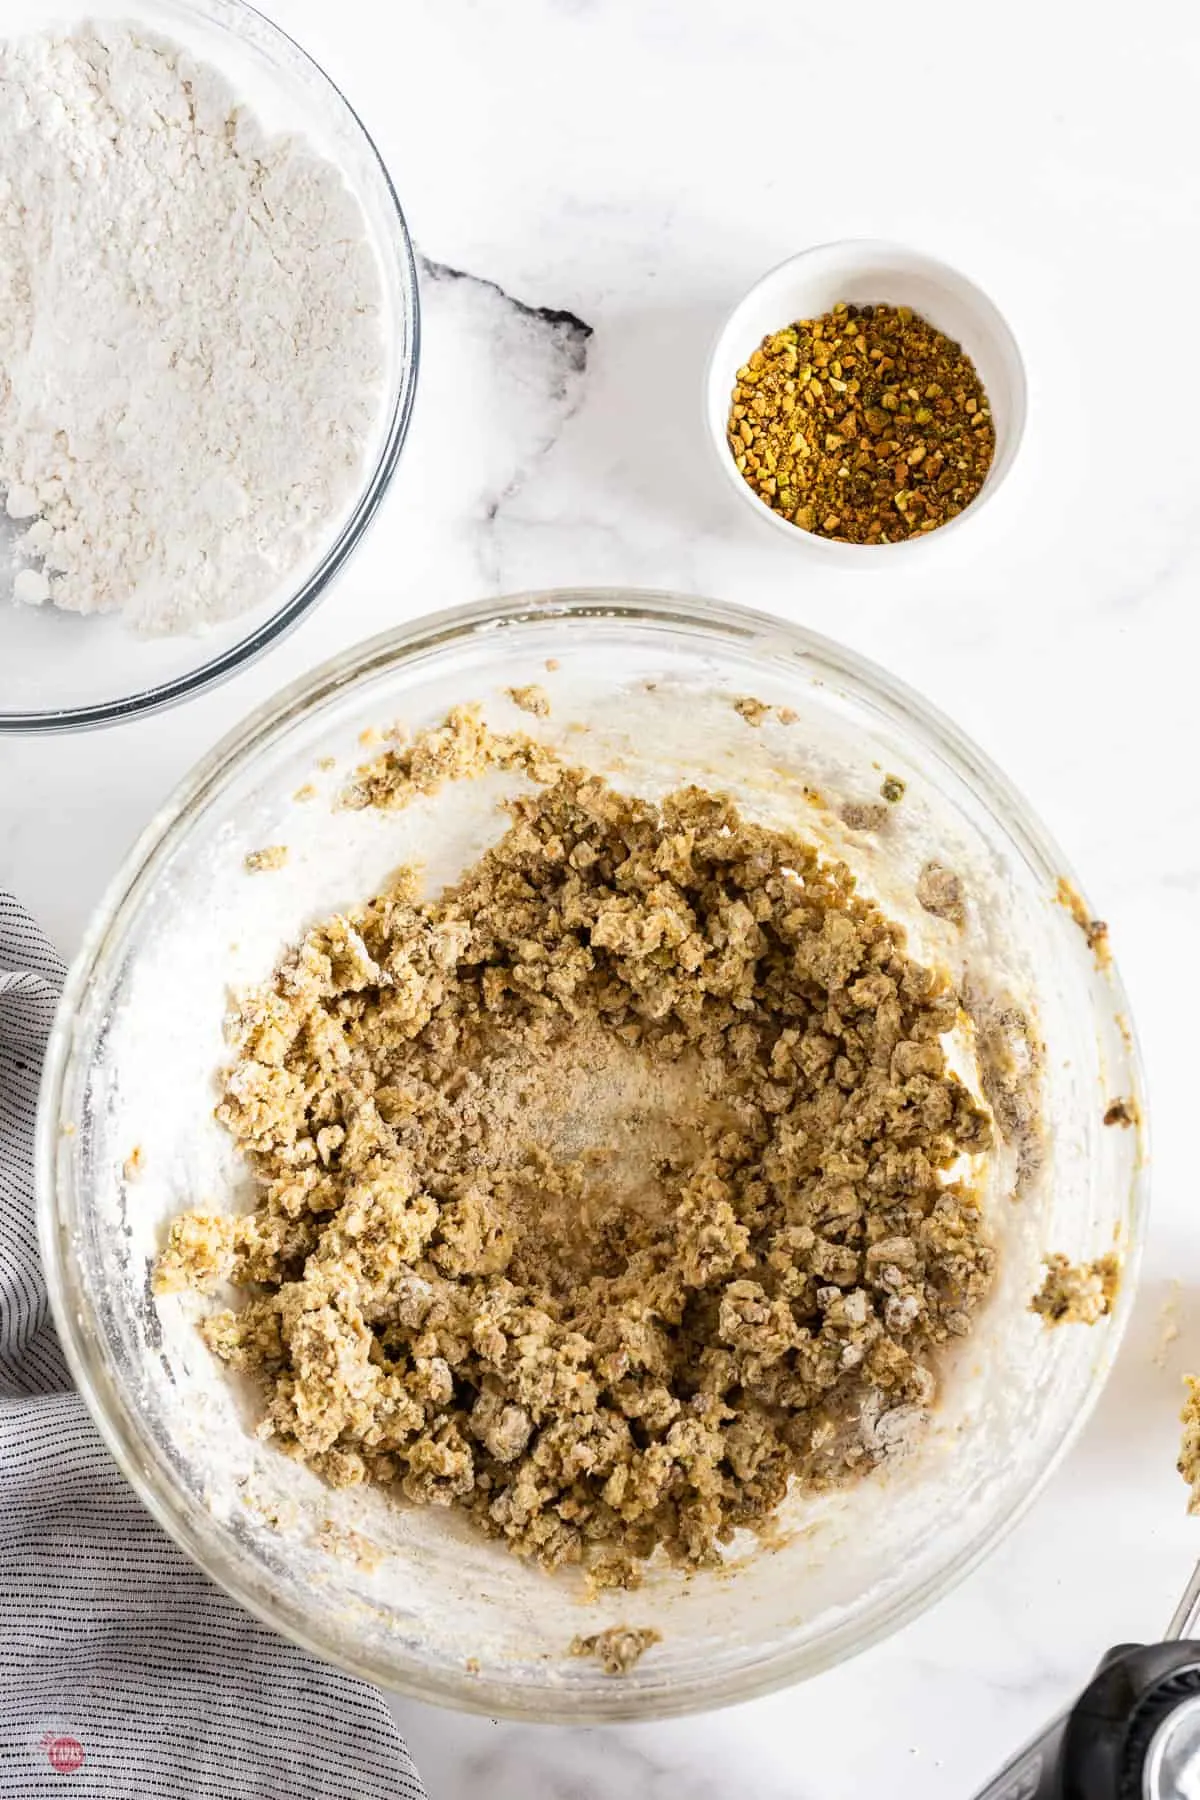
(1010, 1056)
(866, 815)
(273, 856)
(531, 699)
(618, 1648)
(940, 892)
(1095, 931)
(1077, 1293)
(606, 1194)
(757, 712)
(462, 747)
(1121, 1112)
(1189, 1450)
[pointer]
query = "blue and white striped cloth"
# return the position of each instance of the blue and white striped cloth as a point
(124, 1674)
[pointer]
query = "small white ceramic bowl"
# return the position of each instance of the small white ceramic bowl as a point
(867, 272)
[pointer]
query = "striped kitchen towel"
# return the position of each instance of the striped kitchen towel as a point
(124, 1674)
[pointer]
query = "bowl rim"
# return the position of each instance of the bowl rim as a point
(195, 1531)
(715, 394)
(286, 617)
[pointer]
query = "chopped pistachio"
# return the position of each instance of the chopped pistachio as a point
(894, 435)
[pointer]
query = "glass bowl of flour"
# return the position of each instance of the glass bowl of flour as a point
(209, 338)
(652, 692)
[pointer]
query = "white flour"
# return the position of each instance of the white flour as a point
(191, 353)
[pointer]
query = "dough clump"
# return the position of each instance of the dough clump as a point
(605, 1194)
(1077, 1293)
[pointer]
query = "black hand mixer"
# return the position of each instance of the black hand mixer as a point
(1133, 1733)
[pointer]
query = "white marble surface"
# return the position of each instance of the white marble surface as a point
(637, 163)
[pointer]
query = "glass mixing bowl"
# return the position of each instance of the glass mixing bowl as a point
(60, 670)
(641, 685)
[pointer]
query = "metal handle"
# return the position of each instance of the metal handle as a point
(1185, 1614)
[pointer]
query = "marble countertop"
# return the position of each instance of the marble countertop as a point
(591, 184)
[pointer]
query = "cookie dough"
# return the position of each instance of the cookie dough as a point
(531, 699)
(272, 857)
(940, 892)
(1189, 1450)
(618, 1648)
(1077, 1293)
(605, 1194)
